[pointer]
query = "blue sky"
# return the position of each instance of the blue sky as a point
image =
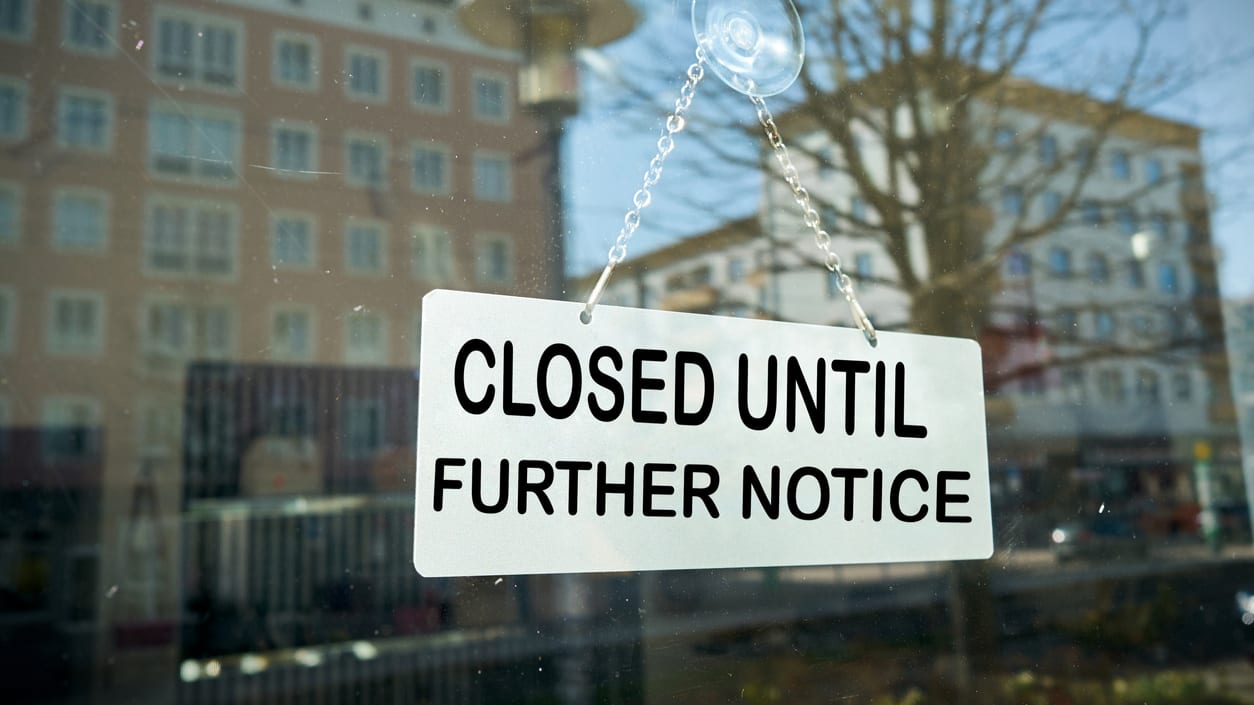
(606, 156)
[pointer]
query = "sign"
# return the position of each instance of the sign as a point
(650, 440)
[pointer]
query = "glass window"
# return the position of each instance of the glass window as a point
(202, 146)
(1153, 171)
(495, 259)
(201, 48)
(1047, 149)
(862, 266)
(1126, 219)
(1074, 385)
(433, 254)
(1160, 225)
(491, 96)
(1018, 264)
(367, 161)
(295, 60)
(1136, 274)
(70, 428)
(492, 177)
(1182, 386)
(1168, 278)
(364, 248)
(1099, 268)
(15, 19)
(1091, 212)
(188, 330)
(12, 109)
(1066, 323)
(735, 269)
(191, 238)
(291, 334)
(1012, 200)
(831, 281)
(85, 120)
(1110, 385)
(75, 323)
(80, 220)
(1103, 325)
(365, 339)
(366, 77)
(1147, 387)
(363, 427)
(430, 164)
(429, 84)
(1005, 139)
(10, 213)
(857, 209)
(90, 25)
(1051, 202)
(1120, 165)
(1060, 262)
(294, 149)
(292, 241)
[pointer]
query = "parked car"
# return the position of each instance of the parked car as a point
(1107, 537)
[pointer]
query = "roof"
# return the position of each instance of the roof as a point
(732, 232)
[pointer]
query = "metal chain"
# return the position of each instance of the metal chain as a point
(675, 123)
(811, 217)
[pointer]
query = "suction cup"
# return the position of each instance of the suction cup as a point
(755, 46)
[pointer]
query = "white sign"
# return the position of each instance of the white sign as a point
(649, 440)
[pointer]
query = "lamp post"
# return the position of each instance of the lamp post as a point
(548, 32)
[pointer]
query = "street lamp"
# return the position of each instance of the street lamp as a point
(548, 32)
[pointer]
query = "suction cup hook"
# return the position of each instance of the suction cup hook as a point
(755, 46)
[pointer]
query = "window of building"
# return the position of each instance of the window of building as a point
(491, 97)
(1018, 264)
(735, 269)
(430, 169)
(365, 338)
(857, 209)
(1120, 165)
(291, 334)
(1060, 262)
(71, 428)
(863, 266)
(366, 74)
(1103, 325)
(85, 120)
(1047, 149)
(433, 254)
(1091, 212)
(1168, 278)
(1136, 274)
(191, 238)
(295, 60)
(16, 19)
(365, 250)
(294, 149)
(363, 427)
(429, 84)
(1182, 386)
(80, 220)
(10, 213)
(831, 280)
(492, 177)
(1110, 385)
(1074, 386)
(90, 25)
(367, 161)
(201, 48)
(1066, 324)
(1084, 151)
(1126, 219)
(203, 145)
(13, 99)
(1160, 225)
(1099, 268)
(75, 323)
(292, 241)
(494, 259)
(1153, 171)
(1012, 200)
(1147, 391)
(8, 319)
(1005, 139)
(1051, 202)
(187, 330)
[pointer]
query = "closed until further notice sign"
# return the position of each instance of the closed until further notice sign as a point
(650, 440)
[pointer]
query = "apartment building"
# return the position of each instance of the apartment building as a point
(253, 184)
(1102, 336)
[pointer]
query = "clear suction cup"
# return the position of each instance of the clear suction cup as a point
(755, 46)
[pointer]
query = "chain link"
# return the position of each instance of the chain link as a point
(810, 216)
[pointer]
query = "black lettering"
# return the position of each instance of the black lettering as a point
(816, 406)
(768, 416)
(476, 488)
(894, 496)
(753, 487)
(704, 493)
(877, 495)
(459, 376)
(825, 493)
(850, 368)
(900, 427)
(573, 468)
(639, 383)
(848, 475)
(879, 399)
(607, 382)
(442, 483)
(511, 407)
(539, 488)
(651, 489)
(556, 350)
(943, 498)
(684, 358)
(626, 488)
